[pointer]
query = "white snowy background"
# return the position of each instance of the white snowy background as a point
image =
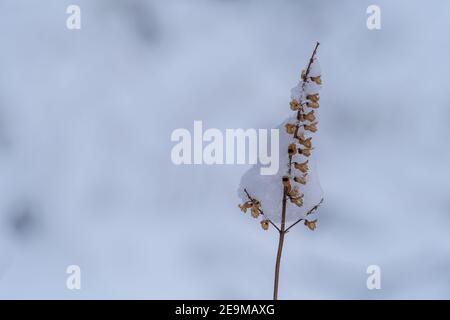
(85, 170)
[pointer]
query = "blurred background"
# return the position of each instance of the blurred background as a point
(86, 176)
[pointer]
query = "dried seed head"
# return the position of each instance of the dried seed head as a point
(245, 206)
(305, 152)
(290, 128)
(317, 80)
(305, 142)
(301, 179)
(255, 212)
(311, 224)
(265, 224)
(297, 201)
(311, 127)
(309, 116)
(303, 167)
(294, 105)
(313, 97)
(292, 149)
(293, 193)
(295, 196)
(312, 104)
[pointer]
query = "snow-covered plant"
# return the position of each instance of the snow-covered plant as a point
(294, 193)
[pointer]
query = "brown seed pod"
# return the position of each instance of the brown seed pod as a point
(305, 152)
(309, 116)
(301, 180)
(293, 193)
(311, 127)
(303, 167)
(305, 142)
(245, 206)
(317, 80)
(265, 224)
(290, 128)
(312, 104)
(255, 212)
(313, 97)
(301, 117)
(311, 224)
(292, 149)
(294, 105)
(297, 201)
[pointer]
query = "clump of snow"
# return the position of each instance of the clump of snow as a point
(314, 69)
(268, 189)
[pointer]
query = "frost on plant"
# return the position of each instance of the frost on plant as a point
(294, 192)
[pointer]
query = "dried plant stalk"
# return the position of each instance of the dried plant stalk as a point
(297, 172)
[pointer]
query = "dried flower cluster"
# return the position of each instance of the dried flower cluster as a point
(304, 101)
(255, 206)
(298, 178)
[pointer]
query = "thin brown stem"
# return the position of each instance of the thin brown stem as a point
(280, 246)
(295, 223)
(308, 69)
(290, 166)
(311, 60)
